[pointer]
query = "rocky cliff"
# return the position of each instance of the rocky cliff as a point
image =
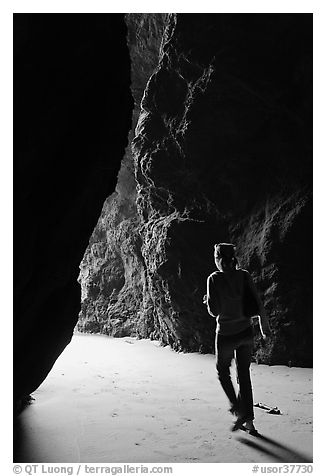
(222, 152)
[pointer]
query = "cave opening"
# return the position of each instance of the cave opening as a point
(220, 150)
(141, 140)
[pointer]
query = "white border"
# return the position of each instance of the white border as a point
(97, 6)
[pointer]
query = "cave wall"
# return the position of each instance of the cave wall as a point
(222, 152)
(72, 115)
(112, 272)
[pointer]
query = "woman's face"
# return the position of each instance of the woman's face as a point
(223, 266)
(218, 262)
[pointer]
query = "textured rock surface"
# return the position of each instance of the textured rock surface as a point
(72, 111)
(112, 273)
(223, 152)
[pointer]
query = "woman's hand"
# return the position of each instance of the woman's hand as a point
(205, 299)
(264, 327)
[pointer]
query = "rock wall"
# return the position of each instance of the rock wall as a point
(112, 275)
(72, 115)
(222, 152)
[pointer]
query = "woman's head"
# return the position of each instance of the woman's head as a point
(224, 255)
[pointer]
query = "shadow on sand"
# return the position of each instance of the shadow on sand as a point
(274, 449)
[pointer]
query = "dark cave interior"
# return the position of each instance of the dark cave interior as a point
(72, 114)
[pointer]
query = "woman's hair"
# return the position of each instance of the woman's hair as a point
(226, 253)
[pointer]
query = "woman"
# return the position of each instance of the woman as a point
(234, 333)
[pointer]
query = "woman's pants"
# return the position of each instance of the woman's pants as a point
(241, 345)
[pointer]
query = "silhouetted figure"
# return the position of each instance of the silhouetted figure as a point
(226, 289)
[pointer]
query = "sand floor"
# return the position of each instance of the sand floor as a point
(111, 400)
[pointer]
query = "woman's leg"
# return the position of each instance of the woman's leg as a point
(224, 351)
(243, 361)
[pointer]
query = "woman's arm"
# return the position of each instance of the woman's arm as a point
(212, 301)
